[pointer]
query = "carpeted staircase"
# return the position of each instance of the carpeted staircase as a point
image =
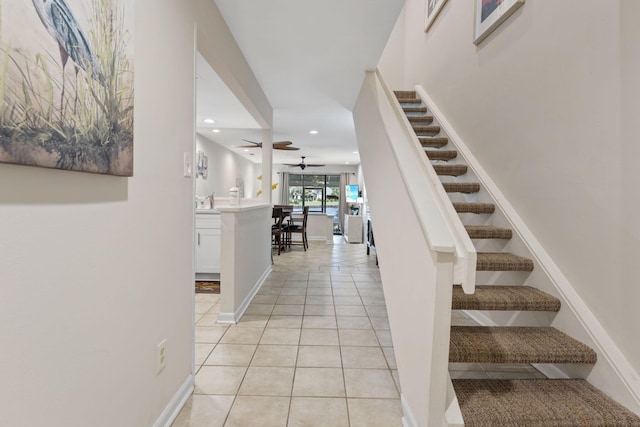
(509, 402)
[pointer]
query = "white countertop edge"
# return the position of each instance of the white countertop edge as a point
(242, 207)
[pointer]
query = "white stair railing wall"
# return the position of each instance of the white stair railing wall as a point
(421, 250)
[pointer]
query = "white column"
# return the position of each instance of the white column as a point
(267, 164)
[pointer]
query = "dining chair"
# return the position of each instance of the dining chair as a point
(278, 229)
(295, 227)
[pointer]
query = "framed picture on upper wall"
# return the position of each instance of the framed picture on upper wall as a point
(490, 14)
(66, 84)
(432, 9)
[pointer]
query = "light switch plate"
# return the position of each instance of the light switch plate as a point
(188, 165)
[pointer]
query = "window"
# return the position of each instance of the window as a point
(320, 192)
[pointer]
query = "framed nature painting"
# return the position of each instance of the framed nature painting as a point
(66, 84)
(202, 165)
(489, 14)
(432, 10)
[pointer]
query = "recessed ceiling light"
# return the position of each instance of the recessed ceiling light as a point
(245, 150)
(216, 130)
(209, 121)
(346, 163)
(355, 152)
(313, 132)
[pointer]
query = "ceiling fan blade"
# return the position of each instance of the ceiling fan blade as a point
(313, 166)
(292, 164)
(277, 145)
(257, 144)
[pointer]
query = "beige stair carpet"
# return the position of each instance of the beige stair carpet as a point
(476, 208)
(516, 344)
(496, 297)
(538, 403)
(488, 232)
(498, 261)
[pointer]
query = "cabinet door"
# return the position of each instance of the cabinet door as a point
(208, 250)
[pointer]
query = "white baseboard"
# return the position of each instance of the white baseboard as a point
(207, 276)
(226, 318)
(232, 318)
(176, 403)
(602, 341)
(408, 420)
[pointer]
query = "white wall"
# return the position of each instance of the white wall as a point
(226, 169)
(391, 63)
(96, 270)
(548, 104)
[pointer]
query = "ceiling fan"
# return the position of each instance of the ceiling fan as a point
(277, 145)
(302, 165)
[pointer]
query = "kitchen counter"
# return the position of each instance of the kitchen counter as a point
(208, 211)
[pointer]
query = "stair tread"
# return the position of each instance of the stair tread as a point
(441, 154)
(428, 130)
(413, 109)
(488, 232)
(400, 94)
(539, 402)
(504, 298)
(450, 170)
(502, 261)
(410, 101)
(420, 119)
(433, 141)
(474, 207)
(461, 187)
(516, 344)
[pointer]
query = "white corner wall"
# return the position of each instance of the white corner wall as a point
(548, 104)
(97, 270)
(226, 168)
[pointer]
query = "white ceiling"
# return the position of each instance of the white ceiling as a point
(309, 58)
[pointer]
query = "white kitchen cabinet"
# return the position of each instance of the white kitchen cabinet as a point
(207, 243)
(353, 228)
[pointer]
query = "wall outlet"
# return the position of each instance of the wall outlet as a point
(161, 360)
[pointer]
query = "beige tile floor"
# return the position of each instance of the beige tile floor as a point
(313, 349)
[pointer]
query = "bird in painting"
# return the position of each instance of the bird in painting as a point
(60, 23)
